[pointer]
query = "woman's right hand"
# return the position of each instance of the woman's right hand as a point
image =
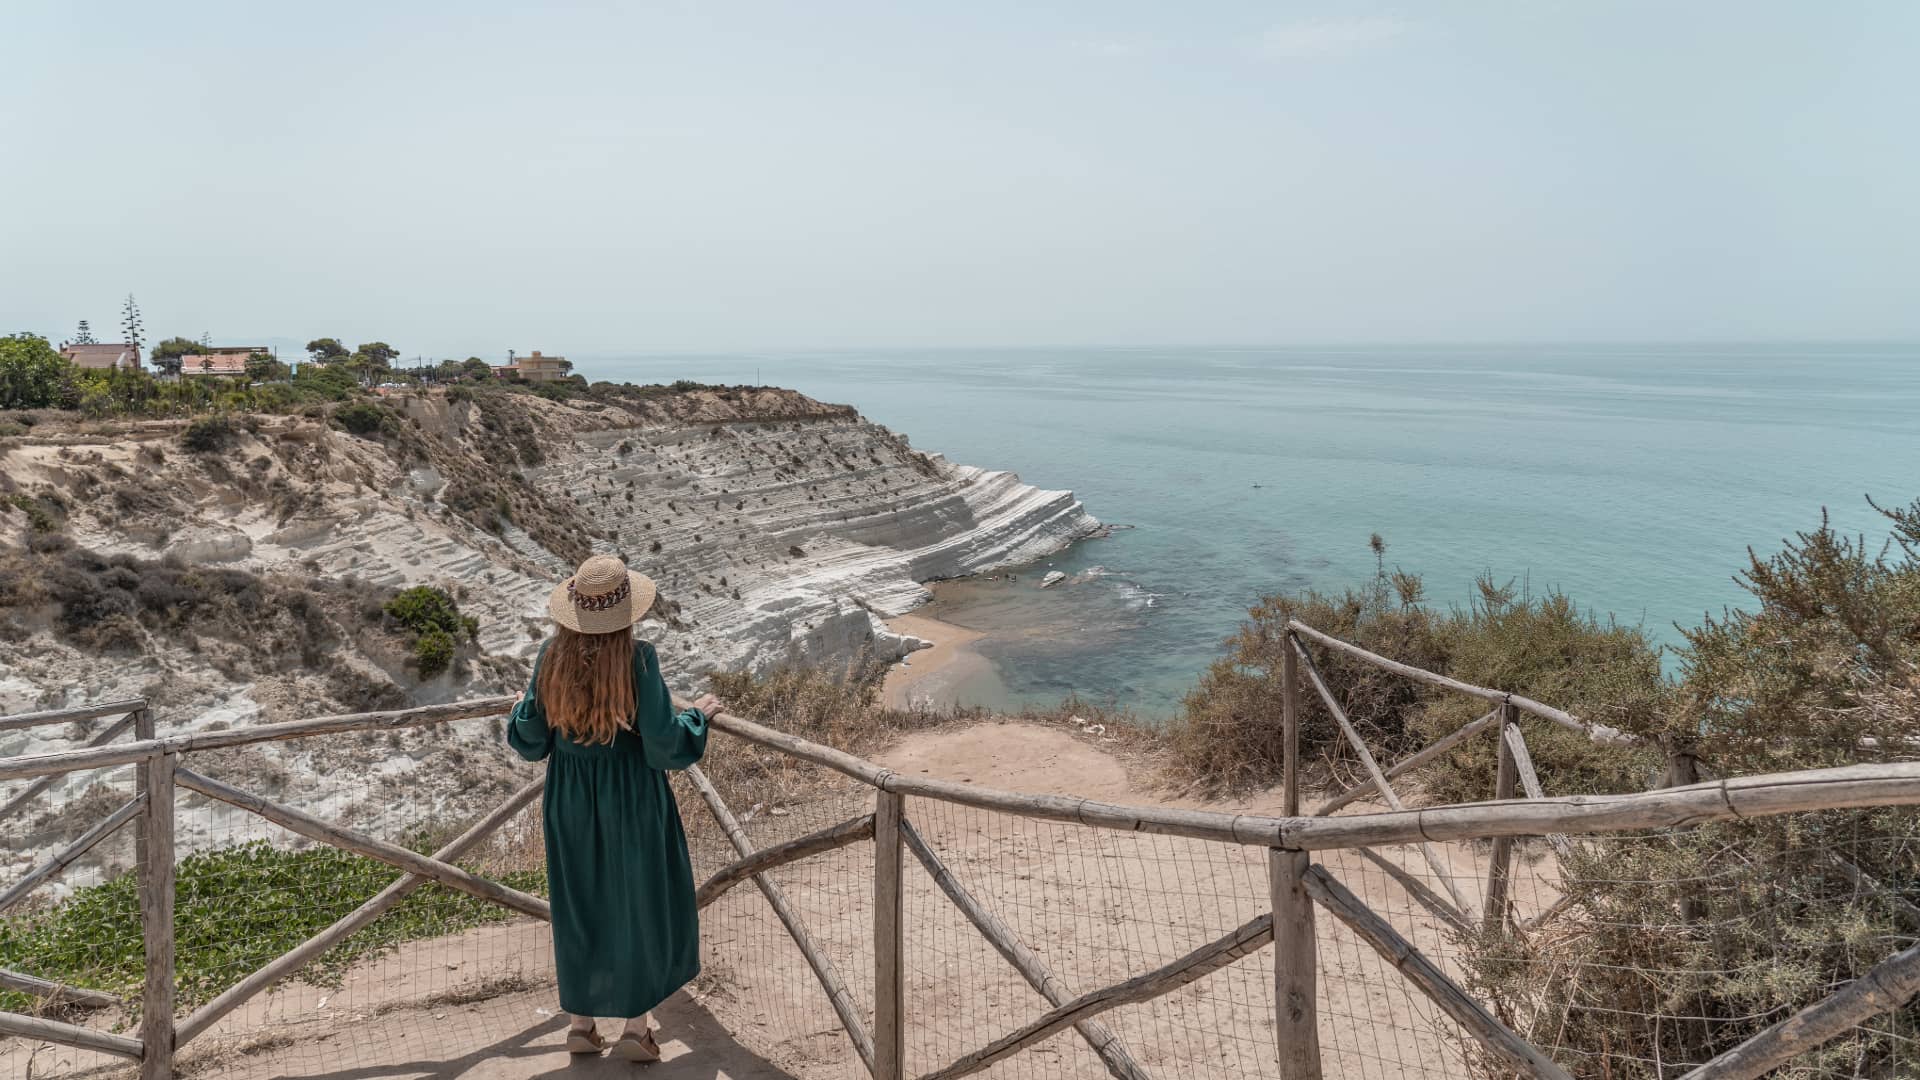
(708, 705)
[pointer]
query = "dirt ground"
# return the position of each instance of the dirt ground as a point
(1097, 906)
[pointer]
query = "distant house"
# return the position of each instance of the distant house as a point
(102, 356)
(226, 364)
(535, 367)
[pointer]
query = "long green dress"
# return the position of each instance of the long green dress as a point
(626, 933)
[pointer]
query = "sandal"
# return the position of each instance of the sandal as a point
(584, 1041)
(641, 1048)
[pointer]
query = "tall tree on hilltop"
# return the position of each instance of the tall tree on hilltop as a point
(84, 335)
(379, 353)
(166, 355)
(325, 350)
(262, 367)
(130, 323)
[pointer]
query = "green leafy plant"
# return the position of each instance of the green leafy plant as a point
(364, 418)
(434, 619)
(236, 908)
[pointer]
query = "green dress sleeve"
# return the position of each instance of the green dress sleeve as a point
(527, 730)
(670, 740)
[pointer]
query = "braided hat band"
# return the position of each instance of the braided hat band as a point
(601, 602)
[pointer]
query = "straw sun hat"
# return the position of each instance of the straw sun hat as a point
(601, 597)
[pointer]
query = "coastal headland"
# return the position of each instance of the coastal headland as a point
(780, 529)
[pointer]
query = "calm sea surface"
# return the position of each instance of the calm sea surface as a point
(1632, 478)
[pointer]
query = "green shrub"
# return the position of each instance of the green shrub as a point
(364, 418)
(330, 382)
(436, 624)
(208, 434)
(433, 652)
(33, 375)
(41, 517)
(424, 608)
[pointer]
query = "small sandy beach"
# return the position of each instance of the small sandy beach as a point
(931, 675)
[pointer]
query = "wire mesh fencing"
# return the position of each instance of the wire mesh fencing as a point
(752, 973)
(1677, 945)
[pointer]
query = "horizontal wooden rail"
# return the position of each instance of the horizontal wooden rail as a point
(1844, 788)
(56, 993)
(819, 842)
(360, 844)
(95, 745)
(1207, 959)
(1847, 787)
(65, 761)
(66, 856)
(33, 1027)
(1599, 733)
(63, 716)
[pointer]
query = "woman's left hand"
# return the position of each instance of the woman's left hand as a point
(708, 705)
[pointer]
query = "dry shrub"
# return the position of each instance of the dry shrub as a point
(1227, 736)
(1683, 943)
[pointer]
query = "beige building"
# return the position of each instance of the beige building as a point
(535, 367)
(102, 356)
(229, 364)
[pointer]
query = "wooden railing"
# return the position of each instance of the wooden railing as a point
(1298, 887)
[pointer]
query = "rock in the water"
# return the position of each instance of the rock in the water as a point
(1054, 577)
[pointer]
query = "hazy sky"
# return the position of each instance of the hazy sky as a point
(595, 178)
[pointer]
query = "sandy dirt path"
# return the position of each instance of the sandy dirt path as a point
(929, 675)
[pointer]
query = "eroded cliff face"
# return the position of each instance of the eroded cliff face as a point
(780, 530)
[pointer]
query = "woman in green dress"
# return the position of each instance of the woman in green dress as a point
(626, 933)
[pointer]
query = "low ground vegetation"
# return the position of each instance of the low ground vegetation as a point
(236, 908)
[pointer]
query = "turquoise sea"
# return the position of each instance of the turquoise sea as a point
(1631, 477)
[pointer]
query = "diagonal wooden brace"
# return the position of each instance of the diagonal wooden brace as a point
(66, 856)
(1373, 770)
(1205, 960)
(1514, 1052)
(818, 842)
(1120, 1064)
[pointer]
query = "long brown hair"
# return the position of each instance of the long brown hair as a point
(586, 684)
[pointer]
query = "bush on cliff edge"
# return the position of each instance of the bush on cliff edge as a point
(1227, 736)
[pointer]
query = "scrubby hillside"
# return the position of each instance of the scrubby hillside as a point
(237, 569)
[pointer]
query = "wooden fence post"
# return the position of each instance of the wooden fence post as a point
(1290, 728)
(156, 919)
(1500, 864)
(1296, 1024)
(889, 983)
